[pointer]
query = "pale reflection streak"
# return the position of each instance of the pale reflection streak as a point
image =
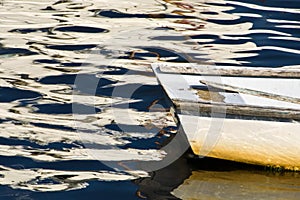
(32, 179)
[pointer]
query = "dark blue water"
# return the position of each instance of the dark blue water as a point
(47, 148)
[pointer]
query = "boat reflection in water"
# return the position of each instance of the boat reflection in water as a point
(163, 181)
(239, 185)
(208, 178)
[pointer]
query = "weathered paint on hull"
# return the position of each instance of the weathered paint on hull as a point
(268, 143)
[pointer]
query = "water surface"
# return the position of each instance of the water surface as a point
(46, 152)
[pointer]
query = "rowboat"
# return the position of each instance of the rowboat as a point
(245, 115)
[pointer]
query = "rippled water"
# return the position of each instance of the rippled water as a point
(49, 150)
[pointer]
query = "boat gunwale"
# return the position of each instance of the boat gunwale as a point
(207, 69)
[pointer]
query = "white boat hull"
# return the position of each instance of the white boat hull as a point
(267, 143)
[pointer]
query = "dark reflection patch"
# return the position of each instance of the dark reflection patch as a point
(81, 29)
(32, 145)
(11, 94)
(66, 108)
(72, 47)
(29, 30)
(16, 51)
(117, 14)
(13, 161)
(146, 93)
(46, 61)
(70, 79)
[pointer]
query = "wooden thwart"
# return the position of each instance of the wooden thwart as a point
(230, 70)
(198, 107)
(251, 92)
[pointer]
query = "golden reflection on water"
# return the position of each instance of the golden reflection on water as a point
(239, 185)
